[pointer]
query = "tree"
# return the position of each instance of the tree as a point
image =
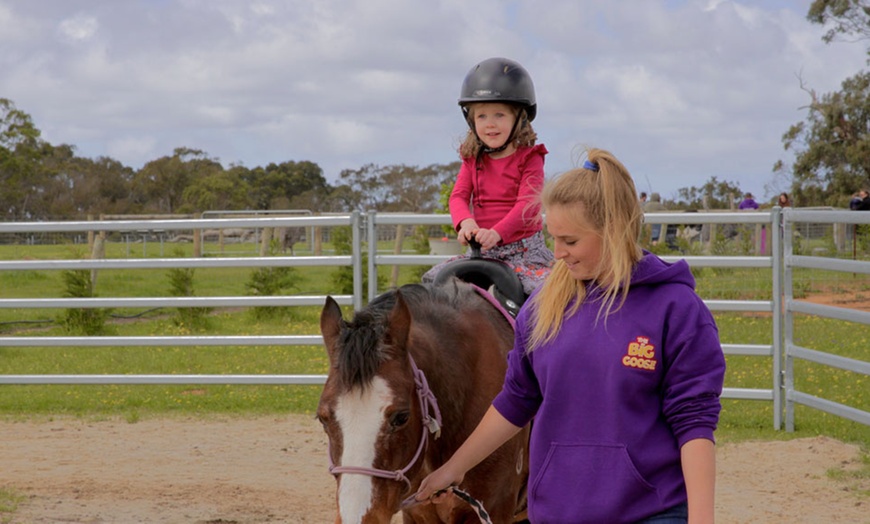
(397, 187)
(109, 184)
(420, 193)
(339, 199)
(712, 195)
(20, 150)
(833, 149)
(159, 186)
(832, 145)
(849, 17)
(217, 190)
(43, 181)
(364, 189)
(73, 187)
(274, 186)
(17, 132)
(58, 177)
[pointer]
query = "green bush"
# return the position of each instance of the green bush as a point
(271, 281)
(342, 278)
(82, 321)
(420, 244)
(181, 285)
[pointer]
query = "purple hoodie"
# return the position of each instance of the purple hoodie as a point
(614, 400)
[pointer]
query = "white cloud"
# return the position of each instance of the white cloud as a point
(78, 28)
(348, 136)
(143, 149)
(683, 90)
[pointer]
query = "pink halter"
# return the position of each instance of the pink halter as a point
(433, 425)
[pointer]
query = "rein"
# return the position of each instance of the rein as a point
(428, 405)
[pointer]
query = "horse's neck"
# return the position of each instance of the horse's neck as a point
(461, 370)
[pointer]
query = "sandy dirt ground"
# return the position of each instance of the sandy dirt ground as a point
(269, 469)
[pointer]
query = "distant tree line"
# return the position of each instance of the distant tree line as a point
(42, 181)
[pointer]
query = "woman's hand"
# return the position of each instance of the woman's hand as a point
(492, 431)
(433, 488)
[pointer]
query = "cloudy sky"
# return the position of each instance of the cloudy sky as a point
(680, 90)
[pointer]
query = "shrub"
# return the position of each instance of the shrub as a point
(82, 321)
(181, 285)
(271, 281)
(420, 243)
(342, 278)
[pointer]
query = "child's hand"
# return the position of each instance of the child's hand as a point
(467, 230)
(488, 238)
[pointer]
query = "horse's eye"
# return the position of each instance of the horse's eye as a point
(399, 419)
(323, 418)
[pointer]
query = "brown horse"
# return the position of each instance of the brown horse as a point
(409, 379)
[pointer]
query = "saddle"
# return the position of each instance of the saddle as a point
(487, 273)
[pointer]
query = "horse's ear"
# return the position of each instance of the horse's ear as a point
(330, 324)
(400, 323)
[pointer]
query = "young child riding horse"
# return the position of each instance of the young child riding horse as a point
(494, 200)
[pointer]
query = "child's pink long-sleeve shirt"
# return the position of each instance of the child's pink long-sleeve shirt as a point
(503, 194)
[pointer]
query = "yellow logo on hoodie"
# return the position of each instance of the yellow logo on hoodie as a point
(641, 354)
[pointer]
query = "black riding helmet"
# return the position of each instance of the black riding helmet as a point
(498, 80)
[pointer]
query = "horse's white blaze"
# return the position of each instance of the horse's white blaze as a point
(360, 416)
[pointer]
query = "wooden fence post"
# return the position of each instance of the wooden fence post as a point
(318, 241)
(197, 240)
(266, 241)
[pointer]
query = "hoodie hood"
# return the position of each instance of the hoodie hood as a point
(652, 270)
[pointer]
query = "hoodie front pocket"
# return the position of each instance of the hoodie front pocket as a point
(588, 482)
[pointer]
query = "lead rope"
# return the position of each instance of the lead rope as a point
(474, 503)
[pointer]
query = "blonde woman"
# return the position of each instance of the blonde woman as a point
(617, 361)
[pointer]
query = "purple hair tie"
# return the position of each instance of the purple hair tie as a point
(592, 166)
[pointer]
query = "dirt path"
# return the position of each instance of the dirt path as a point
(247, 471)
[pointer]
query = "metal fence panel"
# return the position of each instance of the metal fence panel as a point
(35, 229)
(792, 221)
(794, 226)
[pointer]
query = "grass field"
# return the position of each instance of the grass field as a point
(741, 419)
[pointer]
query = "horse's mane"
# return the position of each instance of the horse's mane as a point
(361, 351)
